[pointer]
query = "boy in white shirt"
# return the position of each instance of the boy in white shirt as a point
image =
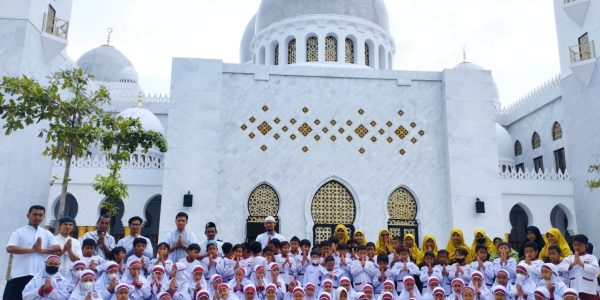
(531, 261)
(583, 269)
(505, 262)
(404, 268)
(362, 270)
(482, 265)
(211, 260)
(441, 270)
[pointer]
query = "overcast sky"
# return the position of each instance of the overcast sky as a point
(516, 39)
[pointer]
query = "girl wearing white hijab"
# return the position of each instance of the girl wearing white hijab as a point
(159, 282)
(477, 283)
(122, 292)
(369, 291)
(503, 280)
(542, 293)
(48, 282)
(500, 293)
(225, 292)
(250, 292)
(551, 281)
(197, 282)
(202, 295)
(570, 294)
(105, 285)
(340, 294)
(179, 283)
(84, 290)
(213, 288)
(73, 276)
(164, 296)
(409, 289)
(523, 284)
(140, 287)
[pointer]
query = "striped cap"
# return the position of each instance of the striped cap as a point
(198, 268)
(458, 281)
(502, 272)
(499, 290)
(88, 274)
(387, 295)
(249, 288)
(522, 269)
(271, 286)
(476, 274)
(408, 279)
(203, 294)
(324, 296)
(438, 291)
(298, 291)
(327, 283)
(158, 269)
(367, 287)
(388, 283)
(344, 280)
(215, 277)
(433, 279)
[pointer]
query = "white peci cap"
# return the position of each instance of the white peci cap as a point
(270, 219)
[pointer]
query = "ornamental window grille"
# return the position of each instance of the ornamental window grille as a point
(330, 48)
(276, 55)
(518, 148)
(557, 132)
(367, 55)
(263, 202)
(402, 211)
(349, 51)
(312, 49)
(535, 141)
(292, 52)
(332, 205)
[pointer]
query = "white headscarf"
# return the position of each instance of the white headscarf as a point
(404, 295)
(181, 279)
(80, 293)
(338, 292)
(119, 287)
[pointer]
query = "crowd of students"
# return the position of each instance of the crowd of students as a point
(273, 268)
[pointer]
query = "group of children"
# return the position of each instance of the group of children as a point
(341, 268)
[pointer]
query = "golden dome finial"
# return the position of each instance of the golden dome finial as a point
(139, 99)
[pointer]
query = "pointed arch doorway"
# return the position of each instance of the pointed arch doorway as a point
(331, 205)
(263, 202)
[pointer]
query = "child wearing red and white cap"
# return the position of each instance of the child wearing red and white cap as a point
(47, 283)
(503, 279)
(409, 289)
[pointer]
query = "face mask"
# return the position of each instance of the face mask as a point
(481, 241)
(460, 260)
(86, 286)
(112, 276)
(77, 274)
(520, 276)
(51, 270)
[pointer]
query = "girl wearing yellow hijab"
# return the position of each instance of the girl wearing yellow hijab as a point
(456, 241)
(360, 238)
(342, 234)
(384, 243)
(554, 237)
(429, 244)
(411, 244)
(481, 238)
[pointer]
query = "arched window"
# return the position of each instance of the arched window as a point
(349, 51)
(261, 56)
(292, 52)
(402, 209)
(312, 49)
(332, 205)
(518, 148)
(557, 133)
(263, 202)
(276, 55)
(367, 55)
(71, 206)
(519, 222)
(330, 48)
(382, 58)
(535, 141)
(152, 224)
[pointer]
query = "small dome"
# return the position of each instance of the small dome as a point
(129, 75)
(148, 120)
(506, 154)
(273, 11)
(105, 63)
(246, 45)
(467, 66)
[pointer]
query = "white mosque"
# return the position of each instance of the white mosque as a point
(314, 126)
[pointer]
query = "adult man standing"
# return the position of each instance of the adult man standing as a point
(104, 240)
(265, 237)
(210, 231)
(135, 227)
(180, 239)
(29, 246)
(71, 248)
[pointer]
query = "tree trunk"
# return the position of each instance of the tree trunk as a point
(65, 184)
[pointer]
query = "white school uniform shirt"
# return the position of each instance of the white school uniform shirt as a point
(377, 284)
(65, 261)
(362, 274)
(210, 270)
(510, 267)
(57, 281)
(534, 271)
(109, 242)
(286, 272)
(412, 269)
(583, 279)
(263, 238)
(172, 237)
(312, 274)
(127, 243)
(29, 264)
(487, 270)
(454, 273)
(445, 281)
(204, 244)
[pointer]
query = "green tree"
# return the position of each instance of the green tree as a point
(122, 137)
(70, 112)
(594, 183)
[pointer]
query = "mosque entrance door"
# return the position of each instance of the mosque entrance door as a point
(333, 204)
(560, 220)
(263, 202)
(152, 214)
(519, 222)
(402, 211)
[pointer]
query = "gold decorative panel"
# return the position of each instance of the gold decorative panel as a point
(349, 51)
(330, 48)
(322, 234)
(402, 205)
(263, 201)
(535, 141)
(312, 49)
(292, 52)
(333, 204)
(557, 133)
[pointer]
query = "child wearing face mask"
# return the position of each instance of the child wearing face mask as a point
(74, 275)
(460, 268)
(523, 284)
(47, 283)
(85, 289)
(108, 281)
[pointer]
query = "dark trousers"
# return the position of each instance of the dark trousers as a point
(14, 288)
(583, 296)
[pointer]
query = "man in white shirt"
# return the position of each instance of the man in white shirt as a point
(180, 239)
(265, 237)
(29, 245)
(71, 248)
(135, 227)
(210, 231)
(104, 240)
(583, 269)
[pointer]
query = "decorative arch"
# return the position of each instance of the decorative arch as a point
(557, 132)
(71, 206)
(518, 148)
(312, 49)
(519, 220)
(560, 217)
(331, 205)
(275, 48)
(291, 52)
(262, 202)
(349, 54)
(536, 142)
(331, 50)
(402, 211)
(152, 217)
(368, 54)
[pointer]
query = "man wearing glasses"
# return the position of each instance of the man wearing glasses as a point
(135, 227)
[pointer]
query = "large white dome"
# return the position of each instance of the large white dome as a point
(272, 11)
(105, 62)
(148, 120)
(506, 154)
(246, 44)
